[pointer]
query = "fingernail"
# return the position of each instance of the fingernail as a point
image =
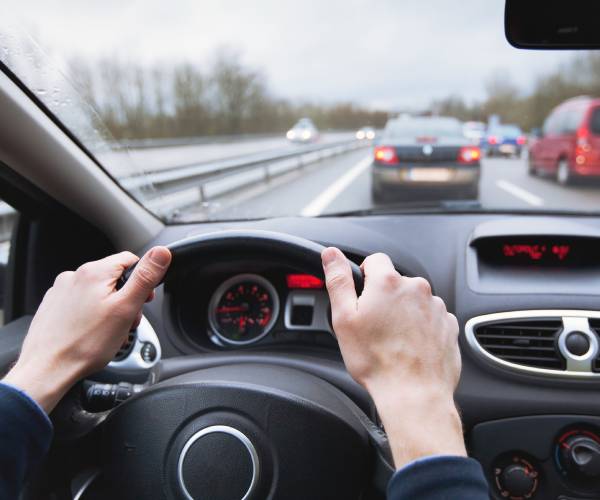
(160, 256)
(328, 256)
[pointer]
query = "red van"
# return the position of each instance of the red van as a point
(569, 147)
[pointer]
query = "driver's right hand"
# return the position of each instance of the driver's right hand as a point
(399, 342)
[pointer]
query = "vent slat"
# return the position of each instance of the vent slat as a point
(126, 348)
(595, 325)
(527, 342)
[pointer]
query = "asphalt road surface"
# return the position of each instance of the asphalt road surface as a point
(343, 183)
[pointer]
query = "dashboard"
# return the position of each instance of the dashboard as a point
(525, 290)
(251, 304)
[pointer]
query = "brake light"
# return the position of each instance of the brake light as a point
(582, 143)
(386, 154)
(492, 139)
(303, 281)
(521, 140)
(469, 154)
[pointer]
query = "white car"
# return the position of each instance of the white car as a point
(304, 131)
(365, 133)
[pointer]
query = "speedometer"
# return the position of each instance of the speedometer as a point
(243, 309)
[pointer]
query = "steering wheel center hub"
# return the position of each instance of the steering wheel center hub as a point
(218, 462)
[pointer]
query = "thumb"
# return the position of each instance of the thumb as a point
(147, 274)
(340, 285)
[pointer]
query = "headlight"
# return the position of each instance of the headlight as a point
(290, 135)
(360, 135)
(306, 134)
(370, 135)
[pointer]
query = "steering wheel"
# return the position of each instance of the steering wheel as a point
(240, 430)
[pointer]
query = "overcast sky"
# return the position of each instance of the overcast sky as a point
(381, 53)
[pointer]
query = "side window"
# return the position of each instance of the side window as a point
(553, 123)
(595, 122)
(7, 222)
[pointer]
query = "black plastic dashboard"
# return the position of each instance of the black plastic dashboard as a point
(440, 248)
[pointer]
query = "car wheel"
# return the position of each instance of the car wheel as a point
(563, 173)
(378, 195)
(472, 193)
(531, 168)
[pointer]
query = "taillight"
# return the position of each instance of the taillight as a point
(469, 154)
(521, 140)
(386, 154)
(492, 139)
(582, 141)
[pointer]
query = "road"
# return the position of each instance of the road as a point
(343, 184)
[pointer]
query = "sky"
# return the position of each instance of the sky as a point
(386, 54)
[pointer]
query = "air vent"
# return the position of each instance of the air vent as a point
(126, 347)
(527, 342)
(595, 325)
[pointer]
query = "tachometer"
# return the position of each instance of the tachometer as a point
(243, 309)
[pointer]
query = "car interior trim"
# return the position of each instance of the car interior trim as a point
(573, 320)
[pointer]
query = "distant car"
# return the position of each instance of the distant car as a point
(425, 155)
(304, 131)
(474, 131)
(365, 133)
(505, 140)
(569, 144)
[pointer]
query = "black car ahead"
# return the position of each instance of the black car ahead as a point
(421, 157)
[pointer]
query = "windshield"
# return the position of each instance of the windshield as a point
(237, 110)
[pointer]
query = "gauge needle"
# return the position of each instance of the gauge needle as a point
(231, 309)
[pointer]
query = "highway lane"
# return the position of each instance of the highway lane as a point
(343, 183)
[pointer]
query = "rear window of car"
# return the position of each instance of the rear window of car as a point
(426, 127)
(508, 130)
(595, 122)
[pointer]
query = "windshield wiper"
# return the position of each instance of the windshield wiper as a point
(438, 206)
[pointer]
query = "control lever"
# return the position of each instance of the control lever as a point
(102, 397)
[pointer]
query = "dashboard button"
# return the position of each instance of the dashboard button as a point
(577, 343)
(517, 480)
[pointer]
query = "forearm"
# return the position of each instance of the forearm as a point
(46, 385)
(419, 422)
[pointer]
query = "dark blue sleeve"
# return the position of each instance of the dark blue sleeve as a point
(439, 478)
(25, 435)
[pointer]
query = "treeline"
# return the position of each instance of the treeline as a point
(580, 76)
(225, 98)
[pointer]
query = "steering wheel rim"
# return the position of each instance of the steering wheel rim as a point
(220, 245)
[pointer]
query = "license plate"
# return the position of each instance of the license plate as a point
(429, 174)
(507, 148)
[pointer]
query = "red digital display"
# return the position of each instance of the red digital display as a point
(536, 251)
(304, 281)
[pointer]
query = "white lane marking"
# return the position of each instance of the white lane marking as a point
(520, 193)
(324, 199)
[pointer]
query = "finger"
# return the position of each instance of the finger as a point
(340, 285)
(113, 265)
(151, 296)
(379, 271)
(136, 321)
(146, 276)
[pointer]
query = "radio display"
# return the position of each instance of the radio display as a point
(546, 251)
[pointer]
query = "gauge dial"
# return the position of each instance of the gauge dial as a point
(243, 309)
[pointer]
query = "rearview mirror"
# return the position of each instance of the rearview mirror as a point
(552, 24)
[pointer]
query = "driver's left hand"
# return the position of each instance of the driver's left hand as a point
(82, 321)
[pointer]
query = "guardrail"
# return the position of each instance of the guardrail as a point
(177, 188)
